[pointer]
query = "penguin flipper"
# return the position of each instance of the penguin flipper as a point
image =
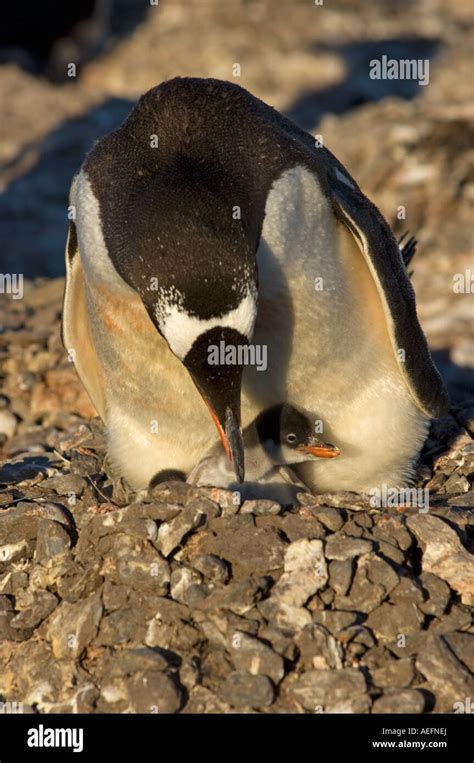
(386, 264)
(75, 328)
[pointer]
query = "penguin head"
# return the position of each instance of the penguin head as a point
(288, 433)
(219, 383)
(298, 441)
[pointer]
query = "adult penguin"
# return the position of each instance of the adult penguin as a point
(208, 220)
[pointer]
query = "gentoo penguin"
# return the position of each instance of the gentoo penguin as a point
(209, 218)
(279, 436)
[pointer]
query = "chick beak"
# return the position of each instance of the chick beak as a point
(319, 449)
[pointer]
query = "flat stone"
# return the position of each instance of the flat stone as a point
(462, 644)
(331, 518)
(340, 575)
(66, 484)
(393, 702)
(361, 703)
(155, 693)
(203, 701)
(381, 572)
(73, 626)
(334, 620)
(170, 534)
(7, 613)
(397, 674)
(239, 595)
(284, 616)
(444, 555)
(449, 678)
(438, 594)
(212, 568)
(305, 573)
(182, 579)
(455, 484)
(242, 689)
(364, 595)
(321, 688)
(250, 550)
(407, 591)
(41, 606)
(318, 649)
(389, 621)
(139, 660)
(260, 507)
(295, 526)
(251, 655)
(120, 627)
(52, 541)
(342, 547)
(463, 500)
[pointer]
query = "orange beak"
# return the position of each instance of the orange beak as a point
(320, 450)
(222, 434)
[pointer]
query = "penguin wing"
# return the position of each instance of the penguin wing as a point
(385, 261)
(75, 329)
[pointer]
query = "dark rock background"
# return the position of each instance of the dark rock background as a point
(188, 601)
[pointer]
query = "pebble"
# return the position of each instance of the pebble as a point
(73, 626)
(444, 555)
(341, 547)
(40, 607)
(410, 701)
(390, 620)
(450, 679)
(319, 649)
(305, 573)
(241, 689)
(170, 534)
(253, 656)
(340, 575)
(153, 693)
(261, 507)
(398, 674)
(319, 688)
(211, 567)
(438, 594)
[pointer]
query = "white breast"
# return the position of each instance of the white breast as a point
(329, 350)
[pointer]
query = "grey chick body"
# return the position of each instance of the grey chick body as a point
(277, 438)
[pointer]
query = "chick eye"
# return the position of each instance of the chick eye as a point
(291, 438)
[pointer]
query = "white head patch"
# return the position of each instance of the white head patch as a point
(181, 329)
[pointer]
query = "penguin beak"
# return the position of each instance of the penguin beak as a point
(231, 437)
(319, 449)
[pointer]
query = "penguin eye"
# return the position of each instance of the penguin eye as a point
(291, 438)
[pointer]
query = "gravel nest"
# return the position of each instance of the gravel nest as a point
(188, 601)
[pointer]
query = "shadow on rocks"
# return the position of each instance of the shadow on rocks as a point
(358, 88)
(33, 209)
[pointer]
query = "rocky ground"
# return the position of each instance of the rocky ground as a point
(188, 601)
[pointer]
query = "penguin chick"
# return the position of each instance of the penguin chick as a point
(279, 436)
